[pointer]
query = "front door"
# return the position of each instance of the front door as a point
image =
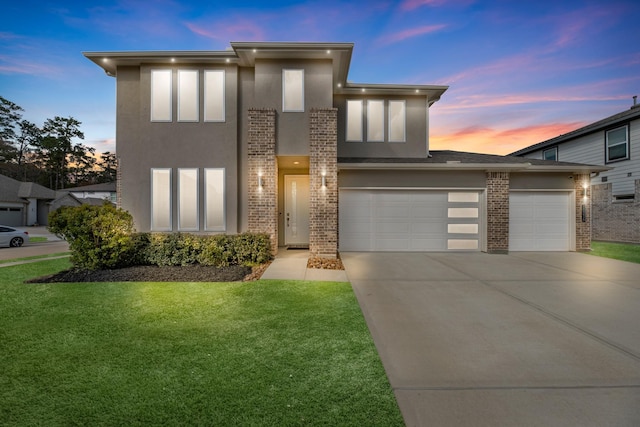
(296, 210)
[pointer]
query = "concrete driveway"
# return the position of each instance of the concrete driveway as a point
(526, 339)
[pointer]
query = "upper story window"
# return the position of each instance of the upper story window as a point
(214, 95)
(188, 94)
(397, 121)
(375, 121)
(617, 143)
(188, 100)
(161, 95)
(550, 154)
(354, 120)
(293, 90)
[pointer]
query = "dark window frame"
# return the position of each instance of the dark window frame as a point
(555, 151)
(626, 143)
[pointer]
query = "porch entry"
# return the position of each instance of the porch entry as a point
(296, 210)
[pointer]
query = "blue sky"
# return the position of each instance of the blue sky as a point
(519, 71)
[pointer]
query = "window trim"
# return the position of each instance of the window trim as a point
(180, 201)
(382, 121)
(223, 117)
(404, 120)
(555, 150)
(626, 143)
(222, 227)
(284, 91)
(170, 193)
(153, 92)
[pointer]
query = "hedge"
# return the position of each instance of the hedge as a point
(102, 237)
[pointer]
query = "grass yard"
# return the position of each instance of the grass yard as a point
(621, 251)
(265, 353)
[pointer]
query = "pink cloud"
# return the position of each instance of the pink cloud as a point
(409, 33)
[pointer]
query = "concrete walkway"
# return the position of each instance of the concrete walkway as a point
(527, 339)
(292, 265)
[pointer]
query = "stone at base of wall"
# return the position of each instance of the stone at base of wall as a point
(584, 250)
(498, 252)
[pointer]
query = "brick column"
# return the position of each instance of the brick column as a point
(263, 201)
(323, 201)
(497, 212)
(583, 222)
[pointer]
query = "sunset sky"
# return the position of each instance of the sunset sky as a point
(519, 72)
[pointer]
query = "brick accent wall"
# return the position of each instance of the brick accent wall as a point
(497, 212)
(263, 202)
(323, 203)
(118, 183)
(583, 225)
(615, 221)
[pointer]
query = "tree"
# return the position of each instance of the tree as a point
(55, 148)
(109, 165)
(10, 115)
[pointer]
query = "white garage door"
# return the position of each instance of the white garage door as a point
(409, 220)
(539, 221)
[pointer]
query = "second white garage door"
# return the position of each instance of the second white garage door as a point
(409, 220)
(539, 221)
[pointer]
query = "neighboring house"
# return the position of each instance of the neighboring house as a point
(272, 137)
(105, 191)
(23, 203)
(615, 143)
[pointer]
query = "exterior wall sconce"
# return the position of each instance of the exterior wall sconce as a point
(584, 201)
(260, 182)
(324, 181)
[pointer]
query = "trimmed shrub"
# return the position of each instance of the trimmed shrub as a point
(99, 236)
(165, 249)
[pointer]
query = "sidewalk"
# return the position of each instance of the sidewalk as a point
(292, 265)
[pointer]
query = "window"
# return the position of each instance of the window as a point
(161, 199)
(214, 200)
(617, 142)
(354, 120)
(188, 200)
(188, 99)
(550, 154)
(375, 121)
(214, 81)
(293, 90)
(397, 118)
(160, 95)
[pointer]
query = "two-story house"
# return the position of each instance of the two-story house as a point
(273, 137)
(615, 143)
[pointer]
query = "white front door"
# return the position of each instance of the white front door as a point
(296, 209)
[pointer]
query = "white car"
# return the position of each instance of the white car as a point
(11, 237)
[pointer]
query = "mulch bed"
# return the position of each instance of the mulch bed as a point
(325, 263)
(146, 273)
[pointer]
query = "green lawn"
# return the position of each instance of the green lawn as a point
(621, 251)
(265, 353)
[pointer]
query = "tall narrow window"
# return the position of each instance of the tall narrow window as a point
(161, 95)
(188, 199)
(161, 199)
(617, 144)
(397, 119)
(214, 110)
(354, 120)
(292, 90)
(375, 121)
(188, 101)
(214, 200)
